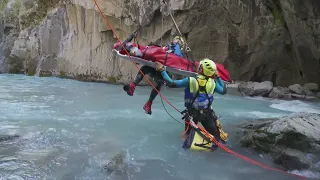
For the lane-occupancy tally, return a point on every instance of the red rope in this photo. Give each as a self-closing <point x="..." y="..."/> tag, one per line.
<point x="202" y="129"/>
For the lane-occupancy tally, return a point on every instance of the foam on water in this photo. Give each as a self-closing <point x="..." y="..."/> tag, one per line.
<point x="295" y="106"/>
<point x="258" y="114"/>
<point x="307" y="173"/>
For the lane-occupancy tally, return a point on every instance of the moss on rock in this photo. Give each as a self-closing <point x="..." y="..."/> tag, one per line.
<point x="33" y="16"/>
<point x="45" y="74"/>
<point x="3" y="5"/>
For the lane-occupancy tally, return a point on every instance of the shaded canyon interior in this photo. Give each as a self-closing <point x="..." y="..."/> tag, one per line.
<point x="256" y="40"/>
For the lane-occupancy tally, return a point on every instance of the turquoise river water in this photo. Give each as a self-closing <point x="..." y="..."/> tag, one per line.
<point x="70" y="130"/>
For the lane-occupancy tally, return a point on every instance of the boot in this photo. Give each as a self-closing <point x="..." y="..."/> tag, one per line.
<point x="129" y="88"/>
<point x="147" y="107"/>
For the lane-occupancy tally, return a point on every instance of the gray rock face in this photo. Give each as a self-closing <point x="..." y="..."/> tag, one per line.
<point x="261" y="40"/>
<point x="255" y="88"/>
<point x="289" y="140"/>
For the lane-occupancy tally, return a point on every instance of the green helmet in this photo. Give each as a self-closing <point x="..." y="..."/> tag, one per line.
<point x="209" y="68"/>
<point x="182" y="44"/>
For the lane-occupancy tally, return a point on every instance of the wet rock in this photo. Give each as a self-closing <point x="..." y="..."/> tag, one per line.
<point x="280" y="93"/>
<point x="303" y="97"/>
<point x="255" y="88"/>
<point x="297" y="89"/>
<point x="288" y="139"/>
<point x="8" y="137"/>
<point x="309" y="93"/>
<point x="292" y="159"/>
<point x="311" y="87"/>
<point x="117" y="163"/>
<point x="4" y="68"/>
<point x="234" y="85"/>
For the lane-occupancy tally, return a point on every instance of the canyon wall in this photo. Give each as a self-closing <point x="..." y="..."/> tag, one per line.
<point x="256" y="40"/>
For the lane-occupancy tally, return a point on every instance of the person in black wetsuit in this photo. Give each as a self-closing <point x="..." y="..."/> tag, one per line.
<point x="175" y="47"/>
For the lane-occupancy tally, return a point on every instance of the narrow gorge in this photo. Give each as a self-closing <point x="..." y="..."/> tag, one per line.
<point x="256" y="40"/>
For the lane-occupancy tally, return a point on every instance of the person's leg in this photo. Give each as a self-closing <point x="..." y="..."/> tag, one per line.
<point x="125" y="42"/>
<point x="154" y="93"/>
<point x="129" y="88"/>
<point x="209" y="123"/>
<point x="195" y="119"/>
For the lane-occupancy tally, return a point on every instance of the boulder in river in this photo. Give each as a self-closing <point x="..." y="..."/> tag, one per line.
<point x="311" y="87"/>
<point x="296" y="88"/>
<point x="255" y="88"/>
<point x="280" y="93"/>
<point x="117" y="163"/>
<point x="8" y="137"/>
<point x="292" y="141"/>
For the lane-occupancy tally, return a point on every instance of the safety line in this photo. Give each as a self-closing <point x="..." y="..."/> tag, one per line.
<point x="114" y="33"/>
<point x="202" y="129"/>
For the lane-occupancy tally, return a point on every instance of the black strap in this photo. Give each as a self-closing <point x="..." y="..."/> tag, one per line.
<point x="193" y="63"/>
<point x="144" y="53"/>
<point x="209" y="105"/>
<point x="194" y="98"/>
<point x="202" y="135"/>
<point x="202" y="145"/>
<point x="152" y="44"/>
<point x="165" y="61"/>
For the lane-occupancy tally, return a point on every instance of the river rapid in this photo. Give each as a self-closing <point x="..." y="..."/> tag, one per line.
<point x="70" y="130"/>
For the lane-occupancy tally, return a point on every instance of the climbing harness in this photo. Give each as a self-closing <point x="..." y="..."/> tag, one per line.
<point x="199" y="127"/>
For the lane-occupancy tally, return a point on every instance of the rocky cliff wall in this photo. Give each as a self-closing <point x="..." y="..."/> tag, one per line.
<point x="256" y="40"/>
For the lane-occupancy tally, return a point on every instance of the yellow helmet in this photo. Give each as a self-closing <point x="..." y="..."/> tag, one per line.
<point x="181" y="41"/>
<point x="209" y="68"/>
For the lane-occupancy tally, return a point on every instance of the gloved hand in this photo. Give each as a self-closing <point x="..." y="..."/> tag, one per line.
<point x="169" y="51"/>
<point x="216" y="75"/>
<point x="159" y="67"/>
<point x="135" y="34"/>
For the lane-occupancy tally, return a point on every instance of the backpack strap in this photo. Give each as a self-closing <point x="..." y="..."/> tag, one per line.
<point x="202" y="88"/>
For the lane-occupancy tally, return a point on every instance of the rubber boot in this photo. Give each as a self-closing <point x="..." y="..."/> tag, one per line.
<point x="129" y="88"/>
<point x="147" y="107"/>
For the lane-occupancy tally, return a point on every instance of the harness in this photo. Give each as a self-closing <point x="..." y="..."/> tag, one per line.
<point x="202" y="88"/>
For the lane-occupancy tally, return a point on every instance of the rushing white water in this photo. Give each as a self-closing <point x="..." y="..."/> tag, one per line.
<point x="70" y="130"/>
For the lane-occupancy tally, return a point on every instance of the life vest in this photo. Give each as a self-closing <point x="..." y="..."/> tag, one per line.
<point x="199" y="94"/>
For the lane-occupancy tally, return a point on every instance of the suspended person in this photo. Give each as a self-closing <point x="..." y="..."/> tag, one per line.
<point x="174" y="47"/>
<point x="199" y="92"/>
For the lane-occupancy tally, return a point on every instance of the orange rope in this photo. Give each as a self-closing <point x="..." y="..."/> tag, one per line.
<point x="184" y="138"/>
<point x="202" y="129"/>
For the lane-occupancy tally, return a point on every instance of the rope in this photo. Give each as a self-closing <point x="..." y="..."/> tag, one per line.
<point x="177" y="27"/>
<point x="188" y="49"/>
<point x="114" y="33"/>
<point x="169" y="113"/>
<point x="202" y="129"/>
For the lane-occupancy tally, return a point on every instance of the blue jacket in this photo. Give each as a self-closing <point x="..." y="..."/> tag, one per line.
<point x="176" y="49"/>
